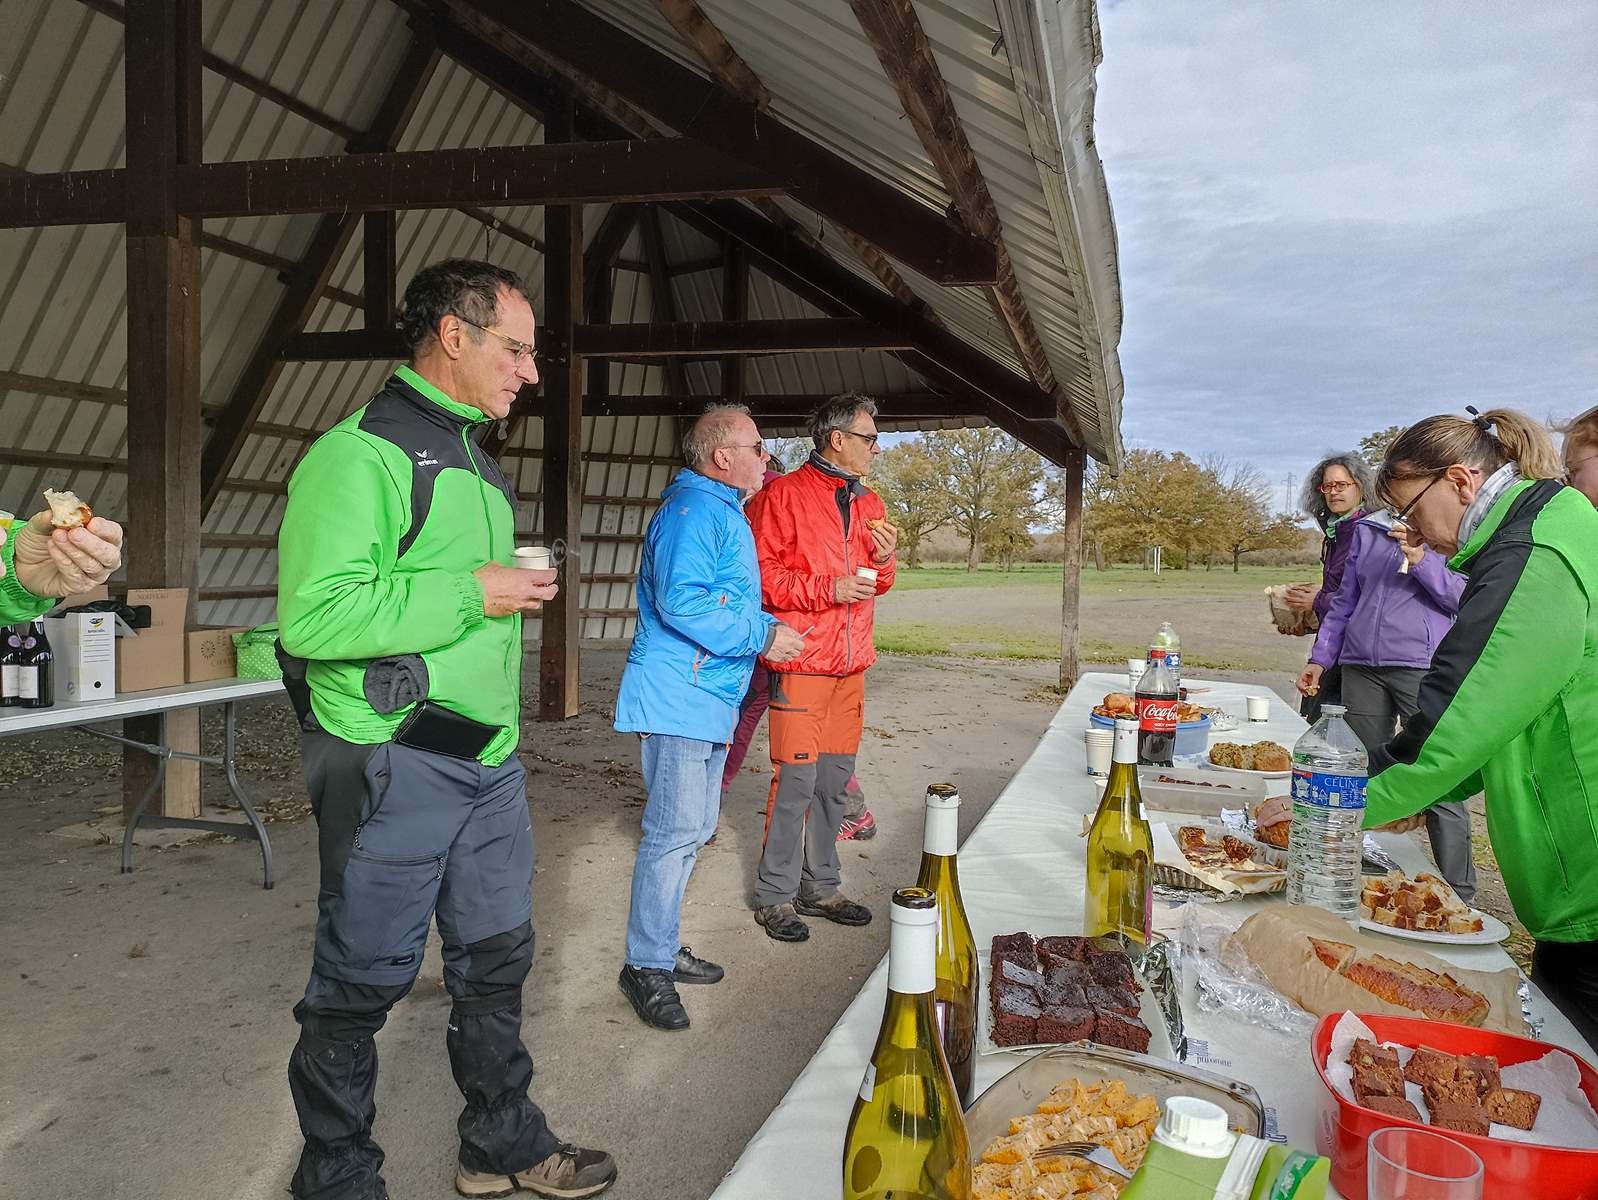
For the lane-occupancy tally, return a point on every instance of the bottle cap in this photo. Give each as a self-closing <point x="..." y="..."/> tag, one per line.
<point x="1195" y="1127"/>
<point x="914" y="906"/>
<point x="943" y="795"/>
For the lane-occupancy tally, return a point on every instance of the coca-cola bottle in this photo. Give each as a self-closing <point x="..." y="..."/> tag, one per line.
<point x="1157" y="704"/>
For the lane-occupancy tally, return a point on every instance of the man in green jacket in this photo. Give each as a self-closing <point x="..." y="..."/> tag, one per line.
<point x="1510" y="704"/>
<point x="39" y="564"/>
<point x="401" y="624"/>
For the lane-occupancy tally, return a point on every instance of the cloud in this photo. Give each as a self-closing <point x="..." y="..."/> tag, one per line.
<point x="1333" y="218"/>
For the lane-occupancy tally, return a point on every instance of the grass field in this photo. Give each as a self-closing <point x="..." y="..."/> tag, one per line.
<point x="1221" y="616"/>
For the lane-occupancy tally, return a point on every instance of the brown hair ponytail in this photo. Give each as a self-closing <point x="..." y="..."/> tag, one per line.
<point x="1486" y="442"/>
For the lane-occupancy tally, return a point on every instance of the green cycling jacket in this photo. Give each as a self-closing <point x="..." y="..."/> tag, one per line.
<point x="389" y="514"/>
<point x="17" y="603"/>
<point x="1510" y="707"/>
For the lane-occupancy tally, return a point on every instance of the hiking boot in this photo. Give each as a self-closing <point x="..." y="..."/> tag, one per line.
<point x="711" y="840"/>
<point x="860" y="829"/>
<point x="689" y="969"/>
<point x="835" y="908"/>
<point x="653" y="996"/>
<point x="570" y="1172"/>
<point x="782" y="923"/>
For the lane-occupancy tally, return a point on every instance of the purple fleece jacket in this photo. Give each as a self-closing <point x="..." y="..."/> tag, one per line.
<point x="1334" y="555"/>
<point x="1380" y="618"/>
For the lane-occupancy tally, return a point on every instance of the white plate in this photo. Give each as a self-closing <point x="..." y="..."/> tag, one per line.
<point x="1209" y="766"/>
<point x="1492" y="931"/>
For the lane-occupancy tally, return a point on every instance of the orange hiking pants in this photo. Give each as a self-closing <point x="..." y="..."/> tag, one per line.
<point x="815" y="733"/>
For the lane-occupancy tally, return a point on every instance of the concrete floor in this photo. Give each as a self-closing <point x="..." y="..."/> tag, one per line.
<point x="147" y="1017"/>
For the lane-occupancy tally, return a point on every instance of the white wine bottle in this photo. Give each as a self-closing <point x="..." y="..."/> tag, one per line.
<point x="955" y="997"/>
<point x="1120" y="867"/>
<point x="906" y="1138"/>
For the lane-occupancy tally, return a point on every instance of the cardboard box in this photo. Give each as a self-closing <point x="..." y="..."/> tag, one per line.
<point x="85" y="648"/>
<point x="154" y="658"/>
<point x="210" y="653"/>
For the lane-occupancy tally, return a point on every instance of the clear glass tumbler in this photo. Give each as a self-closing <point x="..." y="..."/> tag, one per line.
<point x="1414" y="1164"/>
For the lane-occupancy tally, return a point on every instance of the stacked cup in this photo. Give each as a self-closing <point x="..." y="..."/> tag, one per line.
<point x="1100" y="744"/>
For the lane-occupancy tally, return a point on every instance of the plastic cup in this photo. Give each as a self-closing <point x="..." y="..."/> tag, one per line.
<point x="869" y="574"/>
<point x="1415" y="1164"/>
<point x="1100" y="744"/>
<point x="533" y="558"/>
<point x="1134" y="670"/>
<point x="1259" y="708"/>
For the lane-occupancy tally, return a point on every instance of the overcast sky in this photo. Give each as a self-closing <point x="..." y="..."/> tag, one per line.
<point x="1336" y="217"/>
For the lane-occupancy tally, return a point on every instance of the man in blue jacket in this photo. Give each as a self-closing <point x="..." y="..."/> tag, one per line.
<point x="700" y="626"/>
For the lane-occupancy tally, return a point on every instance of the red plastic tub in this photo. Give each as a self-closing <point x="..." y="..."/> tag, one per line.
<point x="1514" y="1170"/>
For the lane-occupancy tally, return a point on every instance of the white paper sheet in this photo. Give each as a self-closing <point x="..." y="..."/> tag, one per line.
<point x="1565" y="1118"/>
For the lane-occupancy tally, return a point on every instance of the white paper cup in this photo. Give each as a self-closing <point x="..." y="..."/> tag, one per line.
<point x="1259" y="708"/>
<point x="1134" y="671"/>
<point x="533" y="558"/>
<point x="1100" y="745"/>
<point x="869" y="574"/>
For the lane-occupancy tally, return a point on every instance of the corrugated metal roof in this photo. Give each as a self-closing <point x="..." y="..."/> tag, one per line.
<point x="62" y="290"/>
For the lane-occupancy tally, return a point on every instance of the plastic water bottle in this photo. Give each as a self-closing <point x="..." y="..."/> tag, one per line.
<point x="1329" y="772"/>
<point x="1165" y="639"/>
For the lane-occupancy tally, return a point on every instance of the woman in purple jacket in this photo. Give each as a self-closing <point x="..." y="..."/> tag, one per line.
<point x="1381" y="628"/>
<point x="1334" y="498"/>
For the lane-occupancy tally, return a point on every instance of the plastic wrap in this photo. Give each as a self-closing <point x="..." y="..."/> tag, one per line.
<point x="1226" y="981"/>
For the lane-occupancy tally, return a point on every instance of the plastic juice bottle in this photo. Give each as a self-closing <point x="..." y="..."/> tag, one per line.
<point x="1195" y="1156"/>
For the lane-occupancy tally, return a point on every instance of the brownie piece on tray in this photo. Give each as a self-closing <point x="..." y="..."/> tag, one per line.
<point x="1015" y="1017"/>
<point x="1481" y="1070"/>
<point x="1449" y="1091"/>
<point x="1021" y="943"/>
<point x="1428" y="1065"/>
<point x="1061" y="949"/>
<point x="1392" y="1106"/>
<point x="1064" y="995"/>
<point x="1067" y="972"/>
<point x="1461" y="1118"/>
<point x="1377" y="1081"/>
<point x="1128" y="1033"/>
<point x="1065" y="1023"/>
<point x="1368" y="1054"/>
<point x="1507" y="1106"/>
<point x="1011" y="972"/>
<point x="1117" y="1000"/>
<point x="1114" y="971"/>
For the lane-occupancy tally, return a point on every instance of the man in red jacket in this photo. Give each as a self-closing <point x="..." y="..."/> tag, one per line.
<point x="826" y="552"/>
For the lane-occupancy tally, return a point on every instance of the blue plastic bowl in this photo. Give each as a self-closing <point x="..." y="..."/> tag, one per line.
<point x="1192" y="737"/>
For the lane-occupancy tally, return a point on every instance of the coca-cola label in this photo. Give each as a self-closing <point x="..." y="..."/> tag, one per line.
<point x="1157" y="714"/>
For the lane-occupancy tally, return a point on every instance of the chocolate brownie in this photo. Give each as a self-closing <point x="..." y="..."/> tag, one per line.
<point x="1098" y="949"/>
<point x="1458" y="1090"/>
<point x="1065" y="1023"/>
<point x="1507" y="1106"/>
<point x="1116" y="1000"/>
<point x="1064" y="994"/>
<point x="1377" y="1081"/>
<point x="1021" y="943"/>
<point x="1427" y="1064"/>
<point x="1014" y="973"/>
<point x="1068" y="972"/>
<point x="1481" y="1070"/>
<point x="1461" y="1118"/>
<point x="1062" y="949"/>
<point x="1113" y="1029"/>
<point x="1114" y="971"/>
<point x="1015" y="1017"/>
<point x="1368" y="1054"/>
<point x="1392" y="1106"/>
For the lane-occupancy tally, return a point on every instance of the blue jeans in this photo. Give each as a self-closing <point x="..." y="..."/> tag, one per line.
<point x="683" y="777"/>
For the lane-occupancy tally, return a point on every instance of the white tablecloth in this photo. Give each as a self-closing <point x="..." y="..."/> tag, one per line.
<point x="1023" y="868"/>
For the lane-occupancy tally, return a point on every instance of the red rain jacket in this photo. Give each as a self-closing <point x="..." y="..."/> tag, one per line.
<point x="804" y="544"/>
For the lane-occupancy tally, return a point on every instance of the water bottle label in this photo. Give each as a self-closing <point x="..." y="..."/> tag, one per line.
<point x="1328" y="789"/>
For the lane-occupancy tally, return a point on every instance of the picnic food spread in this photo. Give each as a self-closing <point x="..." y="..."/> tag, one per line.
<point x="1425" y="903"/>
<point x="1261" y="756"/>
<point x="1462" y="1092"/>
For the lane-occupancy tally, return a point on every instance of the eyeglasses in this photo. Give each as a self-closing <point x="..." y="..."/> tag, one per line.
<point x="864" y="437"/>
<point x="1326" y="489"/>
<point x="1404" y="512"/>
<point x="758" y="447"/>
<point x="1571" y="466"/>
<point x="520" y="349"/>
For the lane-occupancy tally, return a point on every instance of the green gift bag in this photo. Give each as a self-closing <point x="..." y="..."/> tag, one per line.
<point x="257" y="654"/>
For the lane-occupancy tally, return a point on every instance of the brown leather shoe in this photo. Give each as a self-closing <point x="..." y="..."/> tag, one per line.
<point x="570" y="1173"/>
<point x="834" y="908"/>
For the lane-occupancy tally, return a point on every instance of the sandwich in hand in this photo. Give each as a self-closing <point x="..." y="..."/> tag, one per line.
<point x="66" y="510"/>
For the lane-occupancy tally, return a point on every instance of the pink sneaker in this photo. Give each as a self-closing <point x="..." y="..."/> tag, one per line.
<point x="859" y="829"/>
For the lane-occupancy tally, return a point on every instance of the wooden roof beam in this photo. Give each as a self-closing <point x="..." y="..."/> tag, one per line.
<point x="660" y="339"/>
<point x="725" y="63"/>
<point x="896" y="34"/>
<point x="588" y="47"/>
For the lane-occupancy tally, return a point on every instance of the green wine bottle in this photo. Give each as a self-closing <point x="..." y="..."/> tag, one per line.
<point x="1120" y="854"/>
<point x="955" y="998"/>
<point x="906" y="1138"/>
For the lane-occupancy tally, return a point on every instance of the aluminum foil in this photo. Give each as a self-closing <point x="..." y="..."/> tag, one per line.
<point x="1226" y="981"/>
<point x="1534" y="1025"/>
<point x="1161" y="971"/>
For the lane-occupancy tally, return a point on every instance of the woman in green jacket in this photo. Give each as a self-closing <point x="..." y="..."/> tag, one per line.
<point x="1510" y="705"/>
<point x="39" y="564"/>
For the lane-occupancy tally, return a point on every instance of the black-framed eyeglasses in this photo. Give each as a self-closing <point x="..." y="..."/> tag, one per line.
<point x="864" y="437"/>
<point x="1403" y="513"/>
<point x="520" y="349"/>
<point x="758" y="447"/>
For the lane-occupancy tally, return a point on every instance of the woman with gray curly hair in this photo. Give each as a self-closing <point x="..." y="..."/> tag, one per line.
<point x="1334" y="498"/>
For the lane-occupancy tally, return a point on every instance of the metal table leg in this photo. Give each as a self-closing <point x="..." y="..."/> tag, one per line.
<point x="230" y="747"/>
